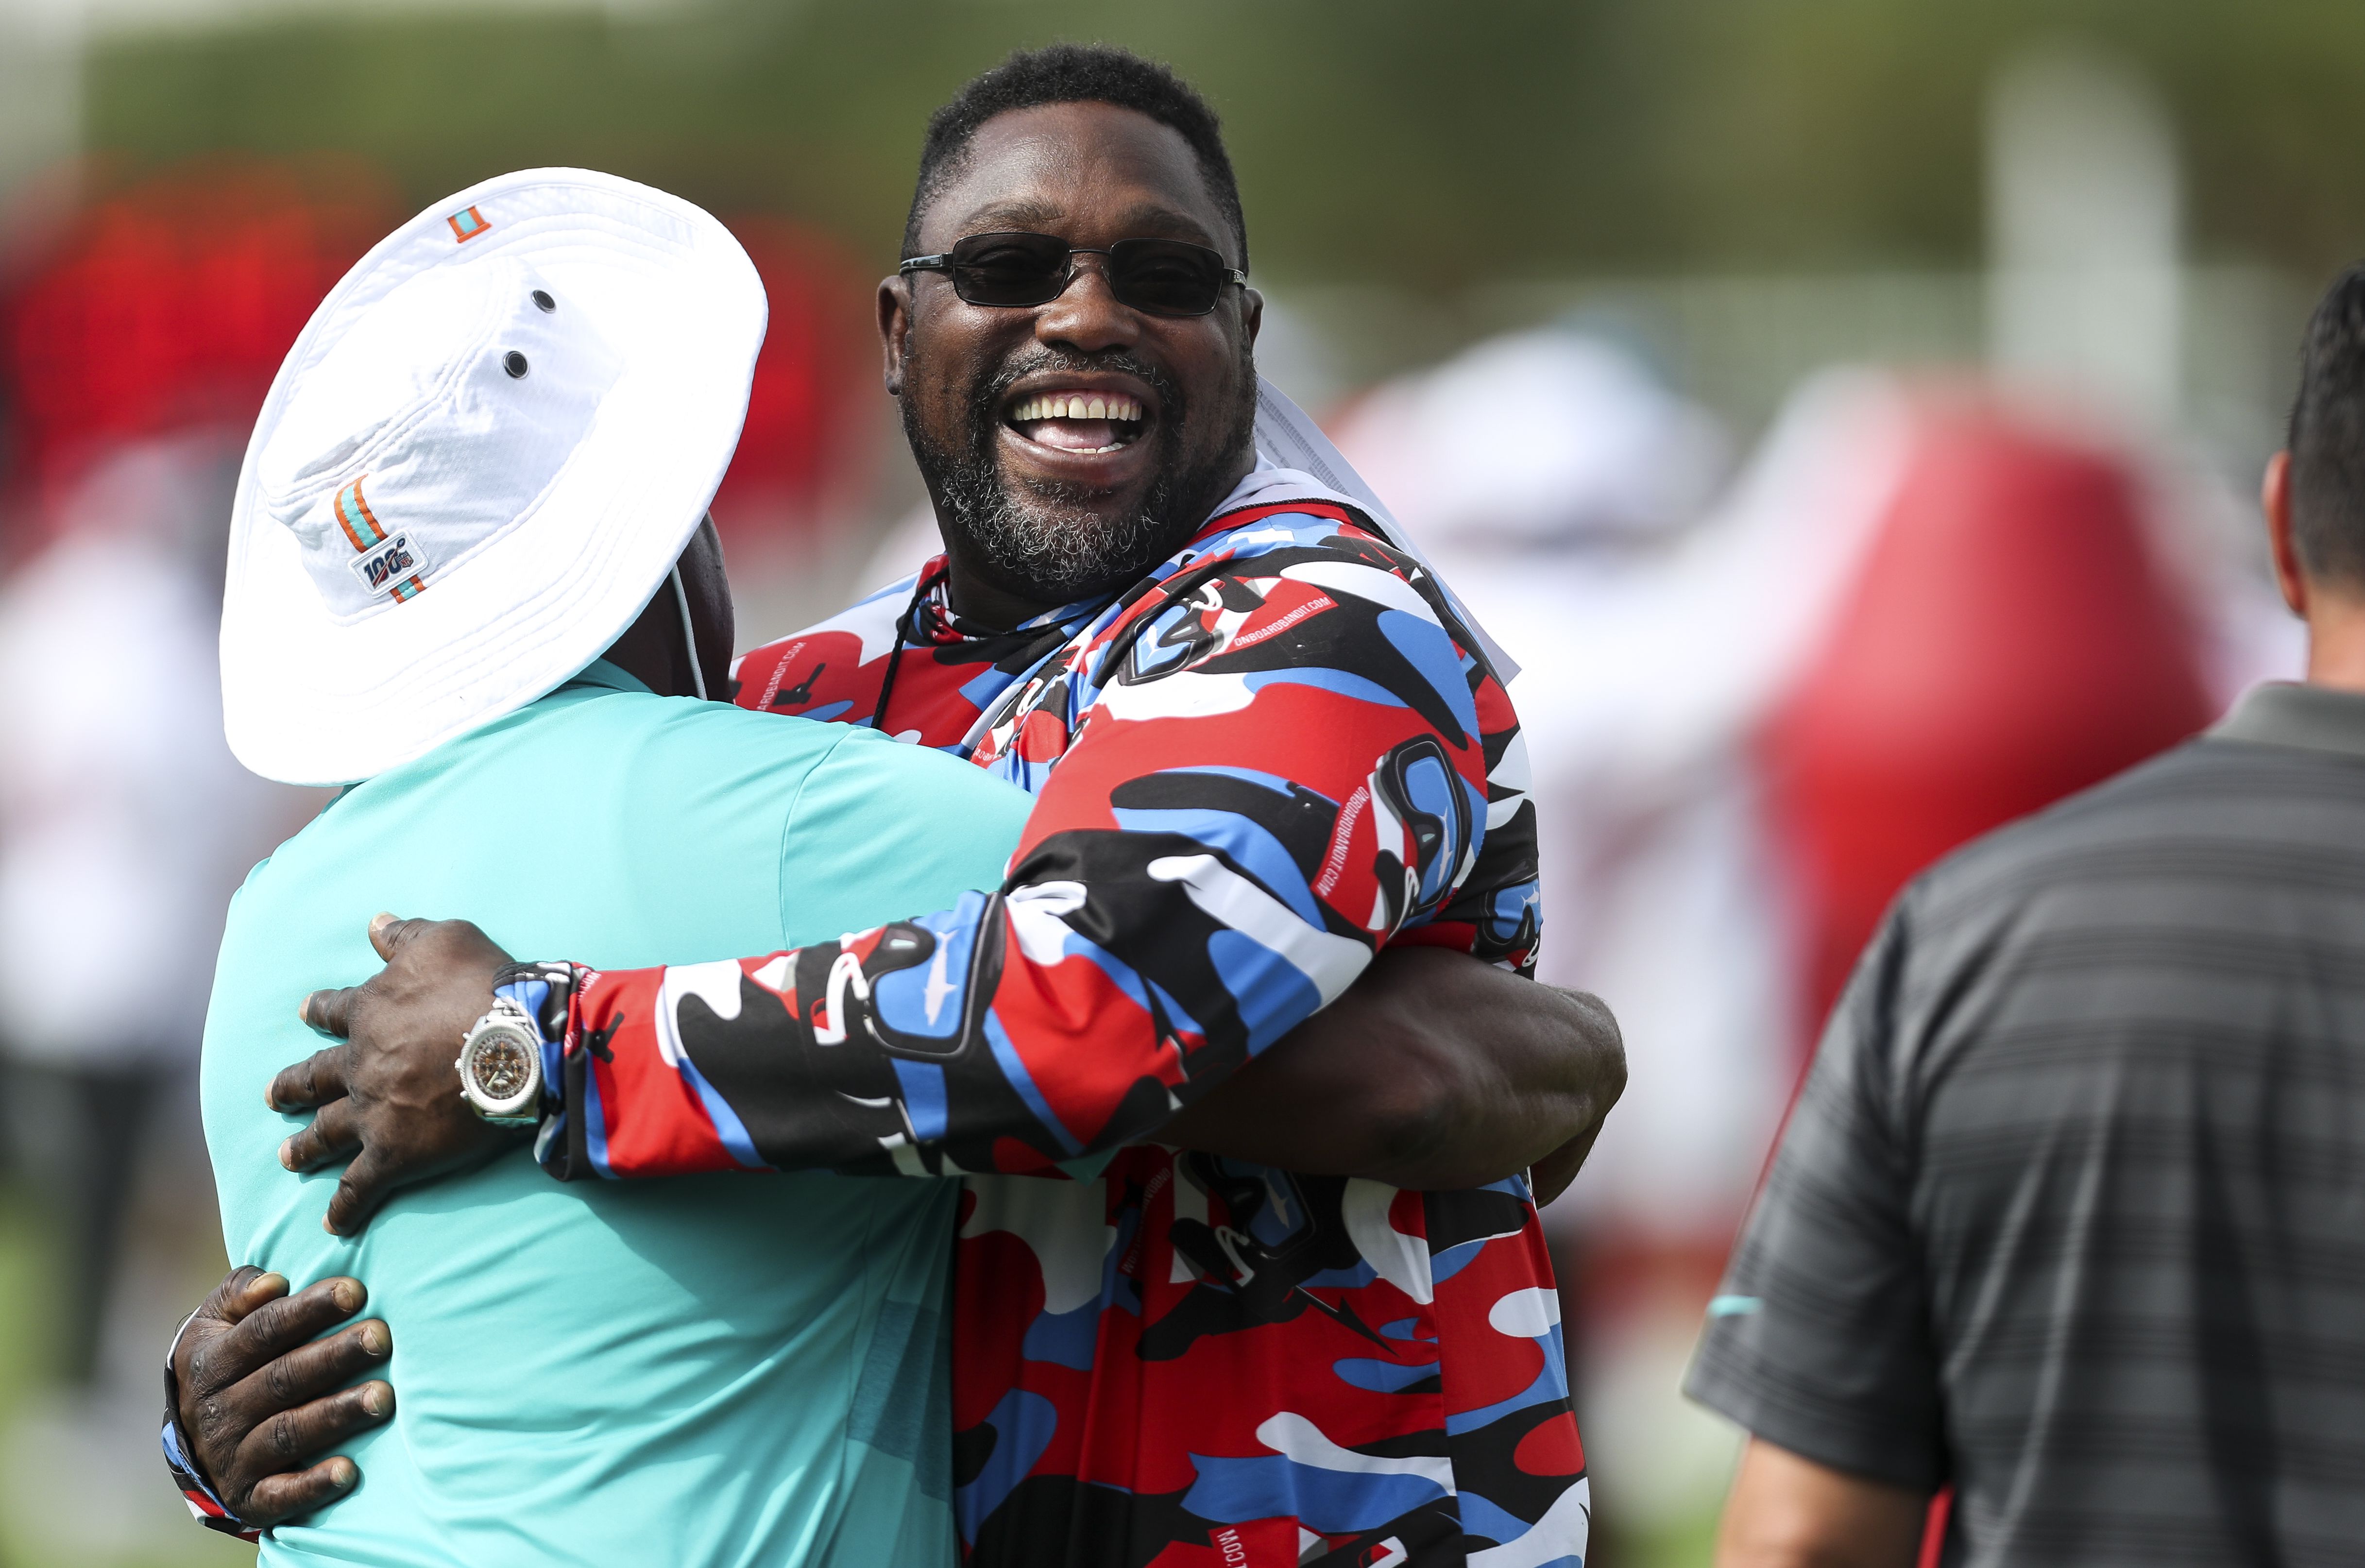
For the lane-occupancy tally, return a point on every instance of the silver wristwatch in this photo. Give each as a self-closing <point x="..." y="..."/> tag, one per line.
<point x="500" y="1067"/>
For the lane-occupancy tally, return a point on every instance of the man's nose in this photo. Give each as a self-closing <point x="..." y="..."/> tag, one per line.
<point x="1086" y="317"/>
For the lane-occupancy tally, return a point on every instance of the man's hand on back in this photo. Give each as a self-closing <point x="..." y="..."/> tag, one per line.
<point x="260" y="1393"/>
<point x="1434" y="1070"/>
<point x="1550" y="1176"/>
<point x="389" y="1097"/>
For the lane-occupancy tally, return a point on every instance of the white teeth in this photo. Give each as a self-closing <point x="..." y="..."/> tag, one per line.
<point x="1066" y="406"/>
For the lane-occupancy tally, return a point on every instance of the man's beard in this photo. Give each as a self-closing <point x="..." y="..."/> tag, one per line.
<point x="1050" y="547"/>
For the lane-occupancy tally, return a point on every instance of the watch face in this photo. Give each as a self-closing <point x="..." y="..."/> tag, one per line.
<point x="500" y="1066"/>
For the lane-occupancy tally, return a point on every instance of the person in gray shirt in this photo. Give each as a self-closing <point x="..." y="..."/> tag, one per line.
<point x="2070" y="1214"/>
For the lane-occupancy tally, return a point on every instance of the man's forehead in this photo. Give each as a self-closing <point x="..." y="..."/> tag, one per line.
<point x="1083" y="172"/>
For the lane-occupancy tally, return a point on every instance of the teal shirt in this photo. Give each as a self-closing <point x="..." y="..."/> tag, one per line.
<point x="715" y="1370"/>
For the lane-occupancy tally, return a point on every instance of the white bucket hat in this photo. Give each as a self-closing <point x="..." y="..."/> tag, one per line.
<point x="477" y="464"/>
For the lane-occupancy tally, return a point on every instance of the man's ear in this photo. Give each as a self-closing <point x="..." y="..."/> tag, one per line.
<point x="2274" y="501"/>
<point x="1252" y="312"/>
<point x="708" y="590"/>
<point x="894" y="329"/>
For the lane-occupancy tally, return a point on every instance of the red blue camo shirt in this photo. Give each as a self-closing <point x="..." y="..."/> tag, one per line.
<point x="1278" y="752"/>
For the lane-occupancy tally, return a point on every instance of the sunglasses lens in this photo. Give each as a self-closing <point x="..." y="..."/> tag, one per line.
<point x="1166" y="277"/>
<point x="1009" y="269"/>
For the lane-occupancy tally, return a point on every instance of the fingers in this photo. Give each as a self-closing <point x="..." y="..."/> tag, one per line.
<point x="334" y="1134"/>
<point x="318" y="1078"/>
<point x="277" y="1499"/>
<point x="271" y="1330"/>
<point x="243" y="1290"/>
<point x="322" y="1367"/>
<point x="330" y="1011"/>
<point x="275" y="1448"/>
<point x="1548" y="1178"/>
<point x="290" y="1437"/>
<point x="256" y="1289"/>
<point x="359" y="1192"/>
<point x="390" y="934"/>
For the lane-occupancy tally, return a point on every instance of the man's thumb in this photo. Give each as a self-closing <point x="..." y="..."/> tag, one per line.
<point x="244" y="1295"/>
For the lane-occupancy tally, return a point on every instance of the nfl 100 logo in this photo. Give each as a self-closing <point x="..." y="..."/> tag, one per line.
<point x="391" y="566"/>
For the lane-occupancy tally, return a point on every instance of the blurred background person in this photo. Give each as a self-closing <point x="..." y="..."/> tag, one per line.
<point x="136" y="334"/>
<point x="124" y="824"/>
<point x="2066" y="1217"/>
<point x="1921" y="611"/>
<point x="1929" y="603"/>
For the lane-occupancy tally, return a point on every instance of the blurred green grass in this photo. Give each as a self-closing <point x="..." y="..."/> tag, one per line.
<point x="27" y="1257"/>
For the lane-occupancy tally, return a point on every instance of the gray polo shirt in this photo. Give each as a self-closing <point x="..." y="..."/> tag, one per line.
<point x="2071" y="1209"/>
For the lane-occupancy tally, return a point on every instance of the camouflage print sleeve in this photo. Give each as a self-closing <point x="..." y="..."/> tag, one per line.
<point x="1269" y="767"/>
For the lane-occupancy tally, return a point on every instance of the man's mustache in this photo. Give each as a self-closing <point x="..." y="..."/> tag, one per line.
<point x="1115" y="361"/>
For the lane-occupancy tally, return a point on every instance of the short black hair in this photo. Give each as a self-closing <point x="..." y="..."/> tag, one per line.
<point x="2327" y="437"/>
<point x="1075" y="73"/>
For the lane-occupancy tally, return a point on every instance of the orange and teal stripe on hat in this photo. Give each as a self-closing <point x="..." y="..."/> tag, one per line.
<point x="361" y="526"/>
<point x="467" y="223"/>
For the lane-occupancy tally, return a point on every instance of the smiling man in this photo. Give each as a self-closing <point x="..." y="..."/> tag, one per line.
<point x="1263" y="747"/>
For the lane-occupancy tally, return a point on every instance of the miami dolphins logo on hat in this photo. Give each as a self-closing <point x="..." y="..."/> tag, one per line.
<point x="388" y="563"/>
<point x="467" y="223"/>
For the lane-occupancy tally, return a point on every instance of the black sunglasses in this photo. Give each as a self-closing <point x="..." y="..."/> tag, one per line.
<point x="1164" y="277"/>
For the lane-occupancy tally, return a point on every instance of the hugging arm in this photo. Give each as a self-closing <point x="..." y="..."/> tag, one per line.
<point x="1197" y="880"/>
<point x="1432" y="1071"/>
<point x="1279" y="767"/>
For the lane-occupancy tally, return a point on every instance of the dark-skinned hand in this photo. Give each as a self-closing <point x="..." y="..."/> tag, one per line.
<point x="1548" y="1178"/>
<point x="261" y="1393"/>
<point x="389" y="1099"/>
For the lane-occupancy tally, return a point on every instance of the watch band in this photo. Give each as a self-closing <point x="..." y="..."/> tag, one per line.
<point x="544" y="992"/>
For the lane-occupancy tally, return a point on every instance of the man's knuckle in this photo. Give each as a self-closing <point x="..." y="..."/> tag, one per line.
<point x="268" y="1325"/>
<point x="285" y="1439"/>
